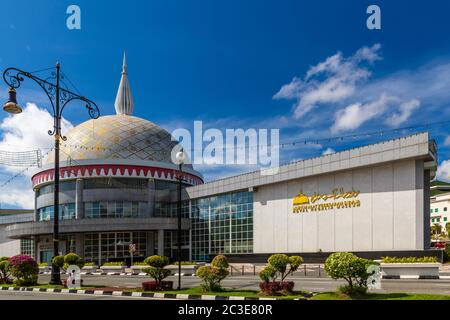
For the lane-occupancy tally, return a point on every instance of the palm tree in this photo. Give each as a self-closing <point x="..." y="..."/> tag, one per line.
<point x="436" y="230"/>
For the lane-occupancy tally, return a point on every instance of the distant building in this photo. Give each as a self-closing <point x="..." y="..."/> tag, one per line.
<point x="440" y="203"/>
<point x="11" y="247"/>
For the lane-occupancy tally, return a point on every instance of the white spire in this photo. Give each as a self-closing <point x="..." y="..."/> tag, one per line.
<point x="124" y="100"/>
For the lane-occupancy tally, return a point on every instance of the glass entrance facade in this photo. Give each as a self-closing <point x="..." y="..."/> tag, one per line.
<point x="113" y="246"/>
<point x="222" y="224"/>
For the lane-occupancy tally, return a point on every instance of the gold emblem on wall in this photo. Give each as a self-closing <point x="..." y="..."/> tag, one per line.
<point x="341" y="199"/>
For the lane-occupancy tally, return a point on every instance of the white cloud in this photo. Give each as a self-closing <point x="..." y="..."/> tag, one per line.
<point x="23" y="132"/>
<point x="447" y="141"/>
<point x="404" y="112"/>
<point x="330" y="81"/>
<point x="354" y="115"/>
<point x="443" y="171"/>
<point x="328" y="151"/>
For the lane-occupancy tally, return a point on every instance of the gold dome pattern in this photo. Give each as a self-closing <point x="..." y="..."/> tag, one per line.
<point x="116" y="137"/>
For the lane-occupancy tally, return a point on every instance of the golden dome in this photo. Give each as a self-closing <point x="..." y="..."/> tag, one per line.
<point x="301" y="199"/>
<point x="116" y="137"/>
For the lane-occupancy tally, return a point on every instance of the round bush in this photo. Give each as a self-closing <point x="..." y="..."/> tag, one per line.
<point x="279" y="262"/>
<point x="73" y="259"/>
<point x="347" y="266"/>
<point x="25" y="269"/>
<point x="268" y="273"/>
<point x="58" y="261"/>
<point x="220" y="261"/>
<point x="157" y="261"/>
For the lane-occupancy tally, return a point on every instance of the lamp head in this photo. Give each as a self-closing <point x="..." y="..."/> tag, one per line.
<point x="11" y="106"/>
<point x="180" y="156"/>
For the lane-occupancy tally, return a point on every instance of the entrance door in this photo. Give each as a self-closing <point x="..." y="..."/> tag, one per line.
<point x="46" y="256"/>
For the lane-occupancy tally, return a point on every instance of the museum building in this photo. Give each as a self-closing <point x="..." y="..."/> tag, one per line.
<point x="119" y="187"/>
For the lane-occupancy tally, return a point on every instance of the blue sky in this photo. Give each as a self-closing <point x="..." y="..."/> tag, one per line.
<point x="225" y="62"/>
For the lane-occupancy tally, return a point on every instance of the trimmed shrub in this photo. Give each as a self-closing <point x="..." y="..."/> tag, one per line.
<point x="284" y="265"/>
<point x="220" y="262"/>
<point x="73" y="259"/>
<point x="157" y="261"/>
<point x="447" y="252"/>
<point x="114" y="264"/>
<point x="89" y="264"/>
<point x="276" y="287"/>
<point x="212" y="275"/>
<point x="5" y="271"/>
<point x="409" y="260"/>
<point x="347" y="266"/>
<point x="155" y="286"/>
<point x="58" y="261"/>
<point x="156" y="271"/>
<point x="268" y="273"/>
<point x="25" y="270"/>
<point x="279" y="265"/>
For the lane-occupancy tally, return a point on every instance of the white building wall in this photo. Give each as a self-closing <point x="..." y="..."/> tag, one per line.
<point x="388" y="218"/>
<point x="8" y="247"/>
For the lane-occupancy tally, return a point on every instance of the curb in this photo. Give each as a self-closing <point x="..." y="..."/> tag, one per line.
<point x="416" y="277"/>
<point x="145" y="294"/>
<point x="122" y="274"/>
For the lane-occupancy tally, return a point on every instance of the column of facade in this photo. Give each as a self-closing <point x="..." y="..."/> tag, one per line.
<point x="35" y="218"/>
<point x="150" y="243"/>
<point x="151" y="197"/>
<point x="161" y="242"/>
<point x="79" y="205"/>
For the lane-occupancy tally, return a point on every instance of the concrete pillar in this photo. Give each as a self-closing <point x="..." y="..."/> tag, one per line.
<point x="150" y="244"/>
<point x="79" y="244"/>
<point x="79" y="205"/>
<point x="161" y="242"/>
<point x="151" y="197"/>
<point x="36" y="218"/>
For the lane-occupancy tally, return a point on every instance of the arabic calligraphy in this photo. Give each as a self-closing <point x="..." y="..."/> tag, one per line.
<point x="340" y="199"/>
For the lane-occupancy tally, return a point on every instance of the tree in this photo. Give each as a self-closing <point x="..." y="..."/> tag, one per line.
<point x="347" y="266"/>
<point x="447" y="228"/>
<point x="156" y="268"/>
<point x="436" y="231"/>
<point x="212" y="275"/>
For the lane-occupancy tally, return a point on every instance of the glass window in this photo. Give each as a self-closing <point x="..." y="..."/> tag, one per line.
<point x="445" y="218"/>
<point x="115" y="209"/>
<point x="100" y="247"/>
<point x="222" y="224"/>
<point x="445" y="208"/>
<point x="436" y="210"/>
<point x="66" y="212"/>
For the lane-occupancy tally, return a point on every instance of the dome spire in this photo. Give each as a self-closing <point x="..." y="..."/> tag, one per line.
<point x="124" y="100"/>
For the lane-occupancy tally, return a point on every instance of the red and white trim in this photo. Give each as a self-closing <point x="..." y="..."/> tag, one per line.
<point x="108" y="170"/>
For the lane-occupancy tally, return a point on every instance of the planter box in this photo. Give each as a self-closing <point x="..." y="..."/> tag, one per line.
<point x="422" y="270"/>
<point x="45" y="269"/>
<point x="113" y="269"/>
<point x="137" y="269"/>
<point x="187" y="269"/>
<point x="89" y="269"/>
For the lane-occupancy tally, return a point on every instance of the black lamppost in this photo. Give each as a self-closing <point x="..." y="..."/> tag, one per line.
<point x="59" y="97"/>
<point x="180" y="156"/>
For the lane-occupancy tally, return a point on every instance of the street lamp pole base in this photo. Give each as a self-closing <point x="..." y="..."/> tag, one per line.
<point x="55" y="278"/>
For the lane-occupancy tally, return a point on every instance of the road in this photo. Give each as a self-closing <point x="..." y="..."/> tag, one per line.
<point x="252" y="283"/>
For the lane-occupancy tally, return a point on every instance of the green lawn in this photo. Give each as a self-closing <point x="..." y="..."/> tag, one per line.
<point x="49" y="286"/>
<point x="381" y="296"/>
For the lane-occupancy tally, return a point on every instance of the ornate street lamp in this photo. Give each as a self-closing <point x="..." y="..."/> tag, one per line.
<point x="180" y="157"/>
<point x="59" y="97"/>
